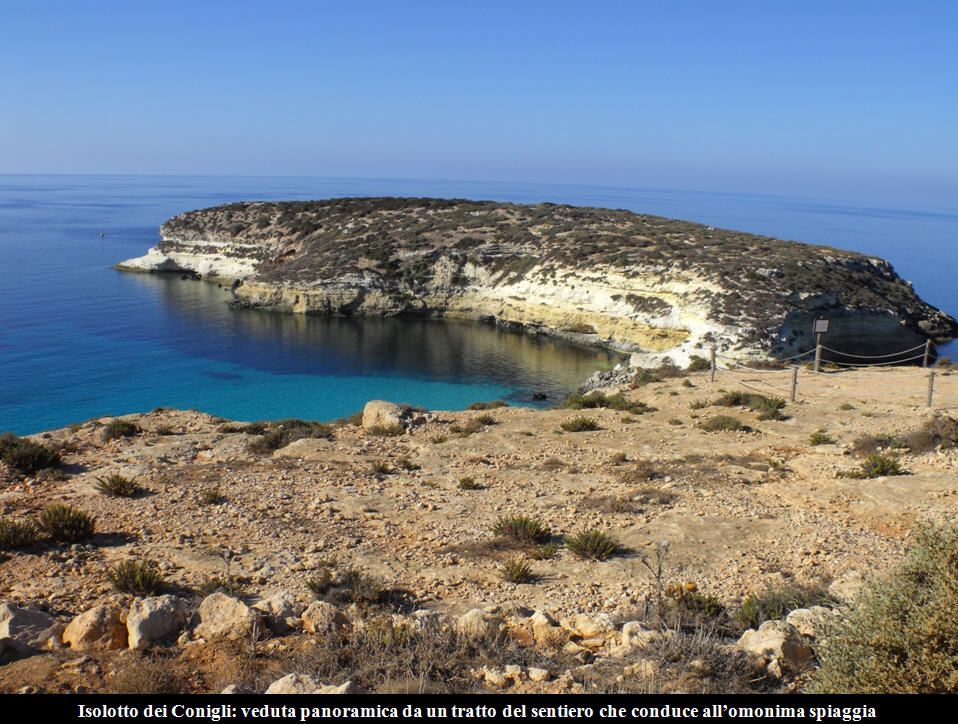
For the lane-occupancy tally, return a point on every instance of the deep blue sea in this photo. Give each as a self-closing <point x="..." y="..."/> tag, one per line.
<point x="79" y="339"/>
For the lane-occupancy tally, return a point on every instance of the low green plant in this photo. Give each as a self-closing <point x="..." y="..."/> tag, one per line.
<point x="580" y="424"/>
<point x="117" y="428"/>
<point x="25" y="455"/>
<point x="380" y="467"/>
<point x="117" y="485"/>
<point x="545" y="552"/>
<point x="845" y="406"/>
<point x="405" y="463"/>
<point x="517" y="570"/>
<point x="280" y="433"/>
<point x="643" y="378"/>
<point x="687" y="383"/>
<point x="486" y="418"/>
<point x="523" y="529"/>
<point x="777" y="603"/>
<point x="769" y="408"/>
<point x="211" y="496"/>
<point x="392" y="430"/>
<point x="137" y="577"/>
<point x="900" y="633"/>
<point x="467" y="429"/>
<point x="721" y="423"/>
<point x="699" y="404"/>
<point x="675" y="421"/>
<point x="487" y="405"/>
<point x="65" y="524"/>
<point x="876" y="465"/>
<point x="17" y="534"/>
<point x="467" y="483"/>
<point x="820" y="437"/>
<point x="698" y="364"/>
<point x="438" y="439"/>
<point x="595" y="400"/>
<point x="592" y="544"/>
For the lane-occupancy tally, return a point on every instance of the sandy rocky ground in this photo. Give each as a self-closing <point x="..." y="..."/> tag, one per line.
<point x="741" y="512"/>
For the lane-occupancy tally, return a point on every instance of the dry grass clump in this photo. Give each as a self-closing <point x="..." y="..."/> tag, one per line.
<point x="117" y="485"/>
<point x="147" y="676"/>
<point x="392" y="430"/>
<point x="939" y="432"/>
<point x="280" y="433"/>
<point x="820" y="437"/>
<point x="769" y="408"/>
<point x="595" y="544"/>
<point x="388" y="657"/>
<point x="580" y="424"/>
<point x="517" y="570"/>
<point x="118" y="428"/>
<point x="137" y="577"/>
<point x="522" y="529"/>
<point x="469" y="483"/>
<point x="25" y="455"/>
<point x="595" y="400"/>
<point x="901" y="634"/>
<point x="347" y="586"/>
<point x="487" y="405"/>
<point x="16" y="534"/>
<point x="65" y="524"/>
<point x="721" y="423"/>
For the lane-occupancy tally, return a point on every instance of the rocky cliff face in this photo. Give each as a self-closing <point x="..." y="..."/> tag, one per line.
<point x="627" y="281"/>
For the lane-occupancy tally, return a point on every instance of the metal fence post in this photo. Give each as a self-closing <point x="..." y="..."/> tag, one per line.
<point x="713" y="364"/>
<point x="931" y="386"/>
<point x="818" y="354"/>
<point x="794" y="383"/>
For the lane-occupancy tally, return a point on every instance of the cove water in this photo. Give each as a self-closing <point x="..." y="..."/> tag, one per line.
<point x="79" y="339"/>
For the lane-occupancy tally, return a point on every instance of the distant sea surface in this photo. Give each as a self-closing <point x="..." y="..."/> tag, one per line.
<point x="79" y="339"/>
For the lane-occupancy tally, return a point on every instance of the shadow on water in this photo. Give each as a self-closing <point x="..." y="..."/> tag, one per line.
<point x="294" y="344"/>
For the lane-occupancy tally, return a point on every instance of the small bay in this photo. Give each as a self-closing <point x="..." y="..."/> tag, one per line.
<point x="79" y="339"/>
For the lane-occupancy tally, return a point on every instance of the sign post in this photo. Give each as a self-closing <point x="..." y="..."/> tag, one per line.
<point x="820" y="327"/>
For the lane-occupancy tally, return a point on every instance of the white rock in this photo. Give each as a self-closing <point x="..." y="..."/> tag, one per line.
<point x="588" y="625"/>
<point x="478" y="624"/>
<point x="154" y="618"/>
<point x="379" y="413"/>
<point x="348" y="687"/>
<point x="25" y="631"/>
<point x="294" y="684"/>
<point x="809" y="621"/>
<point x="322" y="618"/>
<point x="539" y="674"/>
<point x="280" y="609"/>
<point x="222" y="615"/>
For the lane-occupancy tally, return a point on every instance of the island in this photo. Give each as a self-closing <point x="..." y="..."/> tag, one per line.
<point x="655" y="287"/>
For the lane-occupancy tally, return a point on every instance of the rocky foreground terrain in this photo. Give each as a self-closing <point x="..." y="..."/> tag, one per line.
<point x="374" y="554"/>
<point x="631" y="282"/>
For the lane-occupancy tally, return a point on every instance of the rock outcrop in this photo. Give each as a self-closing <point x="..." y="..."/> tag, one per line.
<point x="631" y="282"/>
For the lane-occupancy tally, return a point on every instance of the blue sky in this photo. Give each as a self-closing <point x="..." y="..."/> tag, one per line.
<point x="841" y="99"/>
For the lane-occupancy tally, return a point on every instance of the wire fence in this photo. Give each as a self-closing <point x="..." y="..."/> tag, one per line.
<point x="926" y="385"/>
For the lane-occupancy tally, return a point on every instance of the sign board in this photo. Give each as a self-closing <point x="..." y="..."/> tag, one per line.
<point x="821" y="326"/>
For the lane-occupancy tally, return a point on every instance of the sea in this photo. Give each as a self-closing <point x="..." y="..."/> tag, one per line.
<point x="79" y="339"/>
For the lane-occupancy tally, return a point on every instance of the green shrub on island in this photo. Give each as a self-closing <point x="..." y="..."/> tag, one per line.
<point x="721" y="423"/>
<point x="517" y="570"/>
<point x="487" y="405"/>
<point x="280" y="433"/>
<point x="595" y="400"/>
<point x="522" y="529"/>
<point x="25" y="455"/>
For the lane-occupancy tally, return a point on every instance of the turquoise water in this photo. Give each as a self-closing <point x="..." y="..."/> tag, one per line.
<point x="79" y="339"/>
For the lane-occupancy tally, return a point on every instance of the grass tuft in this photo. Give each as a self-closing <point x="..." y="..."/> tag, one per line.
<point x="137" y="577"/>
<point x="593" y="544"/>
<point x="117" y="485"/>
<point x="65" y="524"/>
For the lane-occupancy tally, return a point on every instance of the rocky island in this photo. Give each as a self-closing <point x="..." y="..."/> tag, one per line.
<point x="631" y="282"/>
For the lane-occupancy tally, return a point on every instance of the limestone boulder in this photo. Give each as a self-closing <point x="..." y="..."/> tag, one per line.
<point x="322" y="618"/>
<point x="379" y="413"/>
<point x="810" y="621"/>
<point x="25" y="631"/>
<point x="154" y="618"/>
<point x="280" y="611"/>
<point x="589" y="625"/>
<point x="478" y="624"/>
<point x="227" y="617"/>
<point x="347" y="687"/>
<point x="775" y="641"/>
<point x="294" y="684"/>
<point x="102" y="628"/>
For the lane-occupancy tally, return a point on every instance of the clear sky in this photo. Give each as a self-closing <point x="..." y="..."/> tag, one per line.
<point x="852" y="99"/>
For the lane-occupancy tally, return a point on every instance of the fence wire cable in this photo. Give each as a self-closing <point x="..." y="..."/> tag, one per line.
<point x="876" y="356"/>
<point x="876" y="364"/>
<point x="724" y="373"/>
